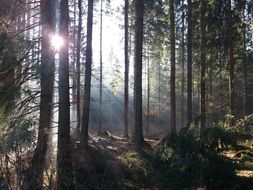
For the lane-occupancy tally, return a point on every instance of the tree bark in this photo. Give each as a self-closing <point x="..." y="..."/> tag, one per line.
<point x="203" y="67"/>
<point x="87" y="85"/>
<point x="148" y="86"/>
<point x="173" y="69"/>
<point x="64" y="166"/>
<point x="139" y="6"/>
<point x="101" y="67"/>
<point x="78" y="59"/>
<point x="189" y="63"/>
<point x="39" y="160"/>
<point x="126" y="93"/>
<point x="183" y="68"/>
<point x="230" y="58"/>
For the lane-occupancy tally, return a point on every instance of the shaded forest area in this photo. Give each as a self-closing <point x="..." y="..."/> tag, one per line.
<point x="126" y="94"/>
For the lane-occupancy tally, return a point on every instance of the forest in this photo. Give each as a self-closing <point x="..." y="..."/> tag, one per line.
<point x="126" y="94"/>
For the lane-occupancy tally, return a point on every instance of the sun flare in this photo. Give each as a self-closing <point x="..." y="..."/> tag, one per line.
<point x="57" y="41"/>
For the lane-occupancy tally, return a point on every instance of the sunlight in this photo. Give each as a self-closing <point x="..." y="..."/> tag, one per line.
<point x="57" y="41"/>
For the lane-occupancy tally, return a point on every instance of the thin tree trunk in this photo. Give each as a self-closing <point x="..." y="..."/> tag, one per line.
<point x="126" y="93"/>
<point x="173" y="69"/>
<point x="64" y="166"/>
<point x="159" y="95"/>
<point x="46" y="99"/>
<point x="189" y="63"/>
<point x="148" y="88"/>
<point x="139" y="6"/>
<point x="203" y="67"/>
<point x="245" y="69"/>
<point x="231" y="58"/>
<point x="183" y="69"/>
<point x="78" y="59"/>
<point x="210" y="99"/>
<point x="101" y="67"/>
<point x="87" y="85"/>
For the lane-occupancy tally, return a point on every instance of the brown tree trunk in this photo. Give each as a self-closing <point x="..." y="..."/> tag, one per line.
<point x="203" y="67"/>
<point x="64" y="166"/>
<point x="173" y="69"/>
<point x="78" y="57"/>
<point x="139" y="6"/>
<point x="183" y="68"/>
<point x="87" y="85"/>
<point x="148" y="86"/>
<point x="126" y="93"/>
<point x="189" y="63"/>
<point x="101" y="67"/>
<point x="39" y="161"/>
<point x="231" y="58"/>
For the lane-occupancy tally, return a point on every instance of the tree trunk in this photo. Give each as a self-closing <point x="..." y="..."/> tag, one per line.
<point x="189" y="63"/>
<point x="203" y="67"/>
<point x="148" y="87"/>
<point x="139" y="6"/>
<point x="230" y="58"/>
<point x="173" y="69"/>
<point x="101" y="67"/>
<point x="39" y="160"/>
<point x="126" y="94"/>
<point x="183" y="68"/>
<point x="64" y="166"/>
<point x="78" y="59"/>
<point x="87" y="85"/>
<point x="245" y="68"/>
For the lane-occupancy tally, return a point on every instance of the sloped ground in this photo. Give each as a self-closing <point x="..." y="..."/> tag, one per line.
<point x="112" y="164"/>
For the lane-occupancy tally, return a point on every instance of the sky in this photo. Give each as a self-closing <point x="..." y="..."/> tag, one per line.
<point x="113" y="34"/>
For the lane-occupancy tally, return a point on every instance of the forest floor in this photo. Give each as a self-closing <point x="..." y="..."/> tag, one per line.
<point x="112" y="164"/>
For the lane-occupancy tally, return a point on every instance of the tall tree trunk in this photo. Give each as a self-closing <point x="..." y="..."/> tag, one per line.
<point x="78" y="59"/>
<point x="101" y="67"/>
<point x="203" y="67"/>
<point x="64" y="166"/>
<point x="87" y="85"/>
<point x="210" y="88"/>
<point x="148" y="87"/>
<point x="245" y="68"/>
<point x="183" y="68"/>
<point x="139" y="6"/>
<point x="39" y="161"/>
<point x="230" y="58"/>
<point x="126" y="93"/>
<point x="159" y="95"/>
<point x="173" y="69"/>
<point x="189" y="63"/>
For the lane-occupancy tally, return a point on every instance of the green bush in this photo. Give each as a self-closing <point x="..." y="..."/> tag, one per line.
<point x="188" y="160"/>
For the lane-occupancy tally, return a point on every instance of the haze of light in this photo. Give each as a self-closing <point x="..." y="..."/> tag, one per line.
<point x="57" y="41"/>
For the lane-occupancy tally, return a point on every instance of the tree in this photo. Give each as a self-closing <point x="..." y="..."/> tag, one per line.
<point x="101" y="67"/>
<point x="173" y="68"/>
<point x="230" y="57"/>
<point x="46" y="98"/>
<point x="64" y="165"/>
<point x="126" y="94"/>
<point x="78" y="59"/>
<point x="189" y="63"/>
<point x="183" y="67"/>
<point x="87" y="85"/>
<point x="139" y="8"/>
<point x="203" y="66"/>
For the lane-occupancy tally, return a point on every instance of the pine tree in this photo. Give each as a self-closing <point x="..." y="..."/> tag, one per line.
<point x="64" y="165"/>
<point x="189" y="63"/>
<point x="173" y="69"/>
<point x="139" y="6"/>
<point x="87" y="85"/>
<point x="46" y="98"/>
